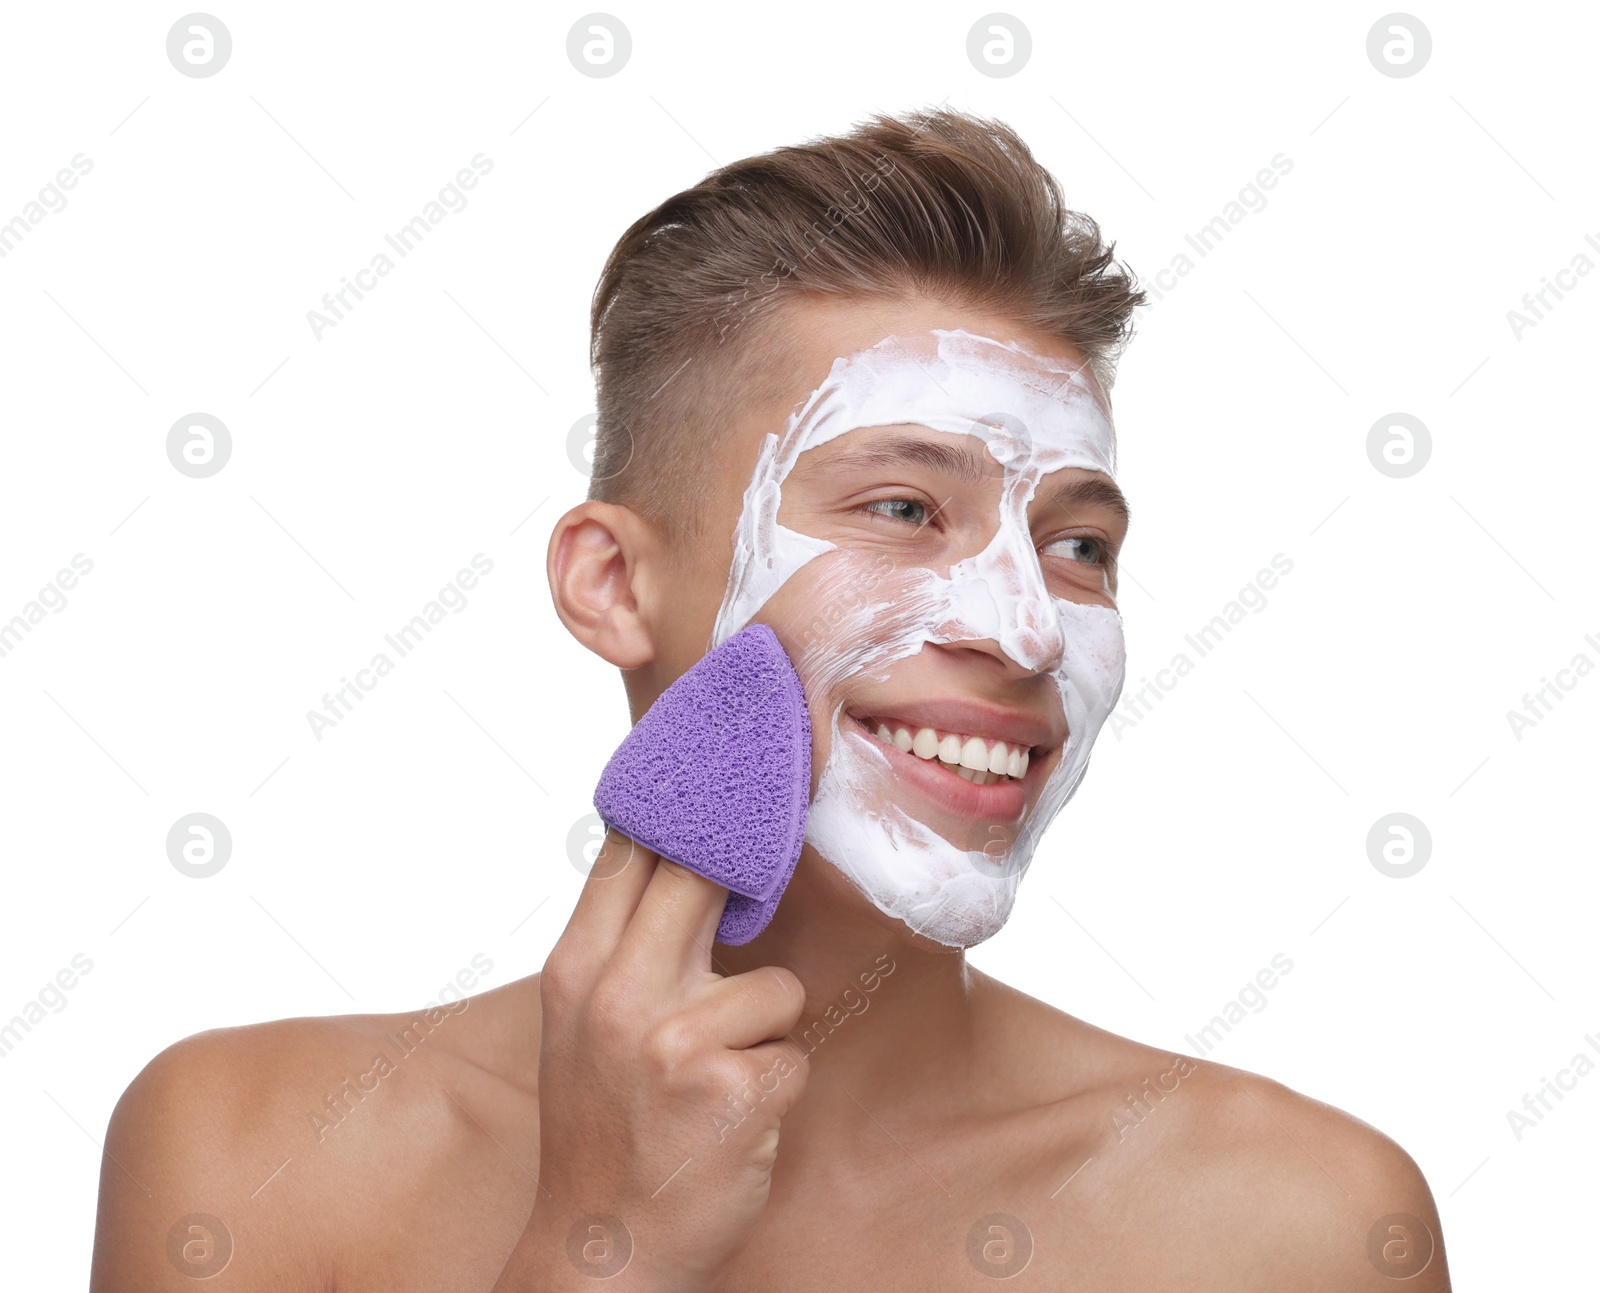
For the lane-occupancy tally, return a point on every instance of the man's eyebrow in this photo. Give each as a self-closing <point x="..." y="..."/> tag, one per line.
<point x="956" y="462"/>
<point x="909" y="451"/>
<point x="1087" y="491"/>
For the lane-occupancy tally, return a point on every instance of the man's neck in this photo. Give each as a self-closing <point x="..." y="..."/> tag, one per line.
<point x="889" y="1021"/>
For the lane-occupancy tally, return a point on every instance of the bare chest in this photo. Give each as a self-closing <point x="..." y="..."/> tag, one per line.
<point x="953" y="1213"/>
<point x="1037" y="1205"/>
<point x="955" y="1216"/>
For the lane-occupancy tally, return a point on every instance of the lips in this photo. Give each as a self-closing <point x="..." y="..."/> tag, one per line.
<point x="1003" y="799"/>
<point x="1011" y="723"/>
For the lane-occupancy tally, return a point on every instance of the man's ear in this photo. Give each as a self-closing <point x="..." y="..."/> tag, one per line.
<point x="603" y="563"/>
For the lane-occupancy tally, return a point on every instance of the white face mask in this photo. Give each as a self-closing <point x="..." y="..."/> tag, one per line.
<point x="1035" y="416"/>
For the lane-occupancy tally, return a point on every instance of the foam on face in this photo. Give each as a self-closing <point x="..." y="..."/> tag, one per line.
<point x="1035" y="415"/>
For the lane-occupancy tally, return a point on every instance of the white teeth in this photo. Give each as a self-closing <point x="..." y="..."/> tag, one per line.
<point x="973" y="758"/>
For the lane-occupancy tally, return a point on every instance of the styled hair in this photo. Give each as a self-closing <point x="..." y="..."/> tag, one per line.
<point x="930" y="203"/>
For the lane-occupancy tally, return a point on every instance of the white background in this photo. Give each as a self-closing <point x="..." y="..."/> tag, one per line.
<point x="430" y="424"/>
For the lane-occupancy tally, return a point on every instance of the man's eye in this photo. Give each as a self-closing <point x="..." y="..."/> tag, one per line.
<point x="1080" y="547"/>
<point x="908" y="510"/>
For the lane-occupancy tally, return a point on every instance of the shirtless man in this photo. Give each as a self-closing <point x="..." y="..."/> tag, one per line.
<point x="843" y="1102"/>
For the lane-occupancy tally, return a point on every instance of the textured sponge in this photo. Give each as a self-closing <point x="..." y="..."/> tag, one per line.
<point x="717" y="775"/>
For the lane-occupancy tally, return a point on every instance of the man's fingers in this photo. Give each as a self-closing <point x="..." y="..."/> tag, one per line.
<point x="761" y="1005"/>
<point x="621" y="872"/>
<point x="778" y="1072"/>
<point x="675" y="922"/>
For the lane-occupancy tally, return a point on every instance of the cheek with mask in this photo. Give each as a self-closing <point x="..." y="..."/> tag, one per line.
<point x="950" y="870"/>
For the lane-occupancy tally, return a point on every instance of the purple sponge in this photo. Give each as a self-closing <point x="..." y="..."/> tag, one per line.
<point x="717" y="775"/>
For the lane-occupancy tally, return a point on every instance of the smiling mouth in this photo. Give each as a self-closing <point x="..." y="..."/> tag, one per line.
<point x="978" y="759"/>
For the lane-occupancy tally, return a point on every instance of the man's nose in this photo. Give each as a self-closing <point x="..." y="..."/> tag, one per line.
<point x="1026" y="625"/>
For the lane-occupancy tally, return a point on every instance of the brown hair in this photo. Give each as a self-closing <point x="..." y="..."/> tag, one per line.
<point x="933" y="203"/>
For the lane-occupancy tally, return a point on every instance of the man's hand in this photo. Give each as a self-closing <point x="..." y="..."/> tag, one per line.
<point x="656" y="1144"/>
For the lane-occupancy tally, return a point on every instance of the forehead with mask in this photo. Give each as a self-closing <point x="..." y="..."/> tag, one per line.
<point x="1026" y="424"/>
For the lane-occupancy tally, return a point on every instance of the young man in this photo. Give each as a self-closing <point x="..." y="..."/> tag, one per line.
<point x="855" y="391"/>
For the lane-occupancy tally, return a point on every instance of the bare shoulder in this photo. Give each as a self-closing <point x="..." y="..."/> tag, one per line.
<point x="260" y="1148"/>
<point x="1315" y="1197"/>
<point x="1246" y="1183"/>
<point x="1239" y="1182"/>
<point x="193" y="1146"/>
